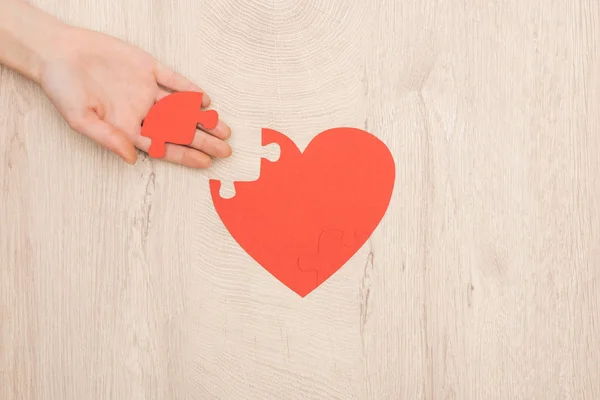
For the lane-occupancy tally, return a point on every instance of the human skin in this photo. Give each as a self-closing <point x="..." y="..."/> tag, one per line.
<point x="102" y="86"/>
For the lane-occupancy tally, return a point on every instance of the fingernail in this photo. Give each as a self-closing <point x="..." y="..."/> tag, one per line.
<point x="130" y="158"/>
<point x="226" y="150"/>
<point x="224" y="129"/>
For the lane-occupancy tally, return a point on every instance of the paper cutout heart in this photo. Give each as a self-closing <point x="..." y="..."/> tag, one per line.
<point x="309" y="213"/>
<point x="174" y="119"/>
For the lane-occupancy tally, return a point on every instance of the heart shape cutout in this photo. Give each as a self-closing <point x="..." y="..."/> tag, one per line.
<point x="309" y="212"/>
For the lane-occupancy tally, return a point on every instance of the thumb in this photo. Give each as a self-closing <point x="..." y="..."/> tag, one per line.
<point x="106" y="135"/>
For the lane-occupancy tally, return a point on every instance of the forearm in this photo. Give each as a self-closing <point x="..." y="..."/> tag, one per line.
<point x="26" y="35"/>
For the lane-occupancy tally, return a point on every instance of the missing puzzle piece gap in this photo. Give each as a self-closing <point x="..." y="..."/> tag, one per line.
<point x="271" y="152"/>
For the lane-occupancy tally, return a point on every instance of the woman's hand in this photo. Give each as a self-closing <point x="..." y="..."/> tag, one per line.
<point x="102" y="86"/>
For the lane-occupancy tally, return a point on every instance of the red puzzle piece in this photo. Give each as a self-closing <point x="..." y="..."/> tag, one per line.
<point x="174" y="119"/>
<point x="309" y="213"/>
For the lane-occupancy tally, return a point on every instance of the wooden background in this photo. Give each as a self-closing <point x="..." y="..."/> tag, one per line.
<point x="482" y="281"/>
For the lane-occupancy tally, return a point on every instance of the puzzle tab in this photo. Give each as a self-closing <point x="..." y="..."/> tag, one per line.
<point x="174" y="119"/>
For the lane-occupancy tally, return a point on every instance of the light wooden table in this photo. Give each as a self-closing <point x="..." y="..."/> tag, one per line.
<point x="482" y="281"/>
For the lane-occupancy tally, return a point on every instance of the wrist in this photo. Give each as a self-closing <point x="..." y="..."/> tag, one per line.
<point x="27" y="37"/>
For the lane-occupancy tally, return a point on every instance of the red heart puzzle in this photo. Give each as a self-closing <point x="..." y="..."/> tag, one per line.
<point x="310" y="212"/>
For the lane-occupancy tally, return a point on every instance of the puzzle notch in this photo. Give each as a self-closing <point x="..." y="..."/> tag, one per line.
<point x="270" y="153"/>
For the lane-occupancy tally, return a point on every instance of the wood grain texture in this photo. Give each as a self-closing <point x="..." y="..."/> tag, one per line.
<point x="482" y="281"/>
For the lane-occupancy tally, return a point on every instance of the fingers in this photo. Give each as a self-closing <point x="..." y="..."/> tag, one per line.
<point x="221" y="131"/>
<point x="106" y="135"/>
<point x="170" y="79"/>
<point x="211" y="145"/>
<point x="178" y="154"/>
<point x="187" y="156"/>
